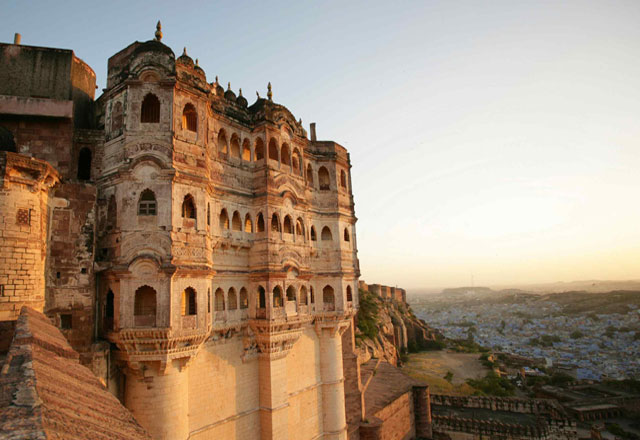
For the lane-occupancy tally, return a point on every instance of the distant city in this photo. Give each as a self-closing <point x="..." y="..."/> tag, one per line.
<point x="588" y="335"/>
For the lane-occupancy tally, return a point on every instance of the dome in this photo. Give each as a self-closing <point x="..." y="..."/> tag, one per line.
<point x="153" y="46"/>
<point x="185" y="59"/>
<point x="229" y="94"/>
<point x="241" y="101"/>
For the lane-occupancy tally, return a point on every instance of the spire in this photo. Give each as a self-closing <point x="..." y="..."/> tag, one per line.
<point x="159" y="31"/>
<point x="269" y="92"/>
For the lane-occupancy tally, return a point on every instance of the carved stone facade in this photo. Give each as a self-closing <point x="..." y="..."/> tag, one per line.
<point x="211" y="242"/>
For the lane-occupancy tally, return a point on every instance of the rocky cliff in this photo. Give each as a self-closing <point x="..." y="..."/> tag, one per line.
<point x="387" y="328"/>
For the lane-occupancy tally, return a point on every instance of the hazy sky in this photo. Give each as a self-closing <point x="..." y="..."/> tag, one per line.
<point x="493" y="138"/>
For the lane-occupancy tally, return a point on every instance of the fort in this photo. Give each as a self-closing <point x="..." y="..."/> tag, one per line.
<point x="197" y="252"/>
<point x="178" y="264"/>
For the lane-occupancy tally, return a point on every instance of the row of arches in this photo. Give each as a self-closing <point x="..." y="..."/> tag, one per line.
<point x="284" y="155"/>
<point x="145" y="301"/>
<point x="147" y="206"/>
<point x="150" y="114"/>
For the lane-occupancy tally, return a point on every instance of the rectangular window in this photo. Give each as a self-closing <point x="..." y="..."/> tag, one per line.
<point x="65" y="321"/>
<point x="147" y="208"/>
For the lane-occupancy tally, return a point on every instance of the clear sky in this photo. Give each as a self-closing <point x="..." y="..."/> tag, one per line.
<point x="499" y="139"/>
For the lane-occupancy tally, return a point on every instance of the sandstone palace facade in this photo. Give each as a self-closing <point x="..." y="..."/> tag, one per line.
<point x="198" y="252"/>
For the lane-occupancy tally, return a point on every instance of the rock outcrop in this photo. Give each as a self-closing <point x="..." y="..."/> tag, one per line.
<point x="387" y="328"/>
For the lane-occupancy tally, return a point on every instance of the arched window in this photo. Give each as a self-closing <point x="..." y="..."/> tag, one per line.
<point x="326" y="234"/>
<point x="296" y="162"/>
<point x="349" y="294"/>
<point x="147" y="203"/>
<point x="223" y="148"/>
<point x="312" y="298"/>
<point x="246" y="150"/>
<point x="313" y="234"/>
<point x="116" y="118"/>
<point x="260" y="223"/>
<point x="7" y="141"/>
<point x="232" y="299"/>
<point x="112" y="213"/>
<point x="150" y="111"/>
<point x="343" y="179"/>
<point x="235" y="146"/>
<point x="84" y="164"/>
<point x="189" y="302"/>
<point x="299" y="228"/>
<point x="277" y="297"/>
<point x="108" y="312"/>
<point x="273" y="150"/>
<point x="236" y="223"/>
<point x="218" y="304"/>
<point x="328" y="298"/>
<point x="323" y="179"/>
<point x="287" y="227"/>
<point x="248" y="224"/>
<point x="303" y="296"/>
<point x="224" y="219"/>
<point x="275" y="223"/>
<point x="189" y="118"/>
<point x="144" y="307"/>
<point x="309" y="175"/>
<point x="259" y="150"/>
<point x="291" y="293"/>
<point x="262" y="298"/>
<point x="347" y="238"/>
<point x="244" y="299"/>
<point x="188" y="207"/>
<point x="285" y="155"/>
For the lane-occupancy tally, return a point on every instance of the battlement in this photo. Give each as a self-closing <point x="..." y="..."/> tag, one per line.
<point x="385" y="292"/>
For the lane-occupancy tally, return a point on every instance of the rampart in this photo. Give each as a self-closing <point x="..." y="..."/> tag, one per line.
<point x="385" y="292"/>
<point x="539" y="418"/>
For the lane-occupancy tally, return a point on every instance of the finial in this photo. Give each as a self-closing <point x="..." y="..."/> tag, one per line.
<point x="197" y="62"/>
<point x="216" y="79"/>
<point x="229" y="86"/>
<point x="159" y="31"/>
<point x="240" y="92"/>
<point x="184" y="52"/>
<point x="257" y="94"/>
<point x="300" y="121"/>
<point x="269" y="92"/>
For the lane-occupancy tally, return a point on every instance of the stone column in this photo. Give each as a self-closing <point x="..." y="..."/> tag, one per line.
<point x="422" y="410"/>
<point x="274" y="402"/>
<point x="334" y="421"/>
<point x="159" y="400"/>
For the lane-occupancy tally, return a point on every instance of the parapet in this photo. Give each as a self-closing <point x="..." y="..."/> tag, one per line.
<point x="385" y="292"/>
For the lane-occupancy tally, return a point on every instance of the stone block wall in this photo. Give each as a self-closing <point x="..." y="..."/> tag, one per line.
<point x="69" y="276"/>
<point x="23" y="232"/>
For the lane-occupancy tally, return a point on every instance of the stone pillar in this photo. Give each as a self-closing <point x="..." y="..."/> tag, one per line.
<point x="159" y="400"/>
<point x="422" y="410"/>
<point x="334" y="421"/>
<point x="274" y="401"/>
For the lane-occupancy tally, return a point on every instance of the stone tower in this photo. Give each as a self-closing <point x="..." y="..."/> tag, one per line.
<point x="226" y="256"/>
